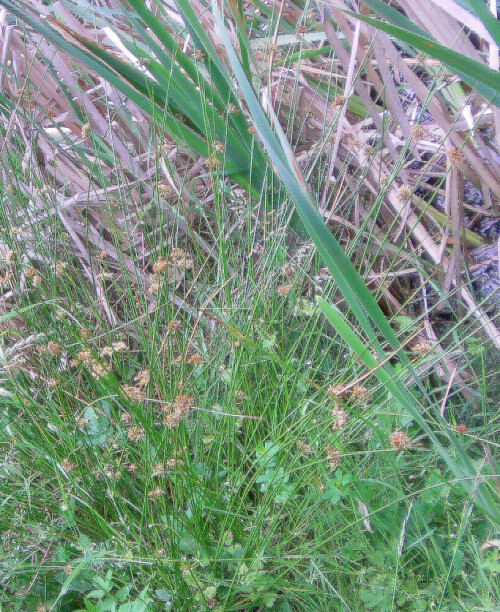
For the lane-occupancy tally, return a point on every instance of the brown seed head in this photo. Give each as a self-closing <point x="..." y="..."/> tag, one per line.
<point x="106" y="351"/>
<point x="154" y="288"/>
<point x="304" y="448"/>
<point x="82" y="422"/>
<point x="284" y="289"/>
<point x="336" y="391"/>
<point x="60" y="267"/>
<point x="85" y="333"/>
<point x="53" y="348"/>
<point x="399" y="440"/>
<point x="173" y="419"/>
<point x="358" y="393"/>
<point x="339" y="418"/>
<point x="160" y="265"/>
<point x="196" y="359"/>
<point x="214" y="160"/>
<point x="68" y="466"/>
<point x="157" y="469"/>
<point x="131" y="468"/>
<point x="126" y="418"/>
<point x="420" y="348"/>
<point x="165" y="190"/>
<point x="135" y="434"/>
<point x="142" y="378"/>
<point x="181" y="259"/>
<point x="183" y="403"/>
<point x="99" y="370"/>
<point x="156" y="493"/>
<point x="455" y="156"/>
<point x="119" y="347"/>
<point x="133" y="394"/>
<point x="417" y="132"/>
<point x="405" y="193"/>
<point x="338" y="101"/>
<point x="218" y="147"/>
<point x="173" y="463"/>
<point x="333" y="457"/>
<point x="173" y="326"/>
<point x="85" y="357"/>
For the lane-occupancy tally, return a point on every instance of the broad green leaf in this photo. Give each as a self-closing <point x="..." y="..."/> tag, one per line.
<point x="482" y="11"/>
<point x="475" y="74"/>
<point x="393" y="16"/>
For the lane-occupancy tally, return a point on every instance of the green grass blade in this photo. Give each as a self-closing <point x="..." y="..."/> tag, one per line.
<point x="21" y="311"/>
